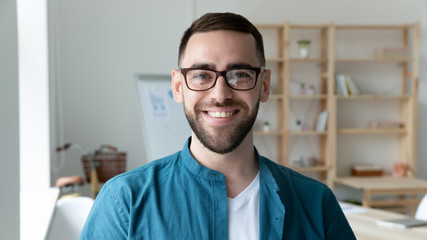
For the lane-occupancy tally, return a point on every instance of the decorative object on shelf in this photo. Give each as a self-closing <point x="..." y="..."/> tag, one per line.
<point x="304" y="48"/>
<point x="302" y="90"/>
<point x="304" y="126"/>
<point x="400" y="169"/>
<point x="306" y="91"/>
<point x="311" y="91"/>
<point x="305" y="162"/>
<point x="366" y="170"/>
<point x="266" y="127"/>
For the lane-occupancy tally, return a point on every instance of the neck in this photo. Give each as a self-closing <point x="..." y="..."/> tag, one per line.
<point x="239" y="167"/>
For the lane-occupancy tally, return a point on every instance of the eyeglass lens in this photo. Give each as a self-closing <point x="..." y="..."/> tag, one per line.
<point x="241" y="79"/>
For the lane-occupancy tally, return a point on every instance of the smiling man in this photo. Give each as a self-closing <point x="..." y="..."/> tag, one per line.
<point x="218" y="186"/>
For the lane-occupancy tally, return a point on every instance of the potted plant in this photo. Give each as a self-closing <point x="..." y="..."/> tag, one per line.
<point x="304" y="48"/>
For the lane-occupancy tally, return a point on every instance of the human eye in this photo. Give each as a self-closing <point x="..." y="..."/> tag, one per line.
<point x="243" y="74"/>
<point x="241" y="78"/>
<point x="201" y="75"/>
<point x="200" y="79"/>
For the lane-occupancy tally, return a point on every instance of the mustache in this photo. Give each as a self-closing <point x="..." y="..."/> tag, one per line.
<point x="226" y="103"/>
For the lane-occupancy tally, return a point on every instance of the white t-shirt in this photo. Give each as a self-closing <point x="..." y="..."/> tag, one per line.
<point x="243" y="213"/>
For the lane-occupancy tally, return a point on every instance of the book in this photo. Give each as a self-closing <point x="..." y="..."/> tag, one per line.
<point x="352" y="86"/>
<point x="321" y="121"/>
<point x="346" y="86"/>
<point x="341" y="84"/>
<point x="402" y="223"/>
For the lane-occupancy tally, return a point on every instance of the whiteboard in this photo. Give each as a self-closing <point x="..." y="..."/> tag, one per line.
<point x="163" y="123"/>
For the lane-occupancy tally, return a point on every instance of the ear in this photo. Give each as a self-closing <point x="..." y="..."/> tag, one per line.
<point x="177" y="86"/>
<point x="265" y="87"/>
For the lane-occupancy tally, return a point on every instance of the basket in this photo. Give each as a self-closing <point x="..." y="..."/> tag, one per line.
<point x="107" y="165"/>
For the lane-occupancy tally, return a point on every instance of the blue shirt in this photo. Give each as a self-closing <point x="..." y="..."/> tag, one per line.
<point x="177" y="198"/>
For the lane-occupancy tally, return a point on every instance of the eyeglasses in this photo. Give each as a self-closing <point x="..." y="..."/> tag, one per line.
<point x="241" y="79"/>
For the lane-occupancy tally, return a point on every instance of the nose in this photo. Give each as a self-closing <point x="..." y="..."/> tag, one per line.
<point x="221" y="91"/>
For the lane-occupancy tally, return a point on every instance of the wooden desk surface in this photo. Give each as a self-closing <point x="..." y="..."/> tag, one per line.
<point x="384" y="183"/>
<point x="363" y="222"/>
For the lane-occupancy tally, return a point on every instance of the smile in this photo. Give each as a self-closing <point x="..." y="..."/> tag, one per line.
<point x="220" y="114"/>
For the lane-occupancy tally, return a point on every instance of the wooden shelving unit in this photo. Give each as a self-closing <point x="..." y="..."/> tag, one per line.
<point x="328" y="57"/>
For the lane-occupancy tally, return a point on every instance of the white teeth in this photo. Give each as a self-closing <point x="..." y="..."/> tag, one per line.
<point x="220" y="114"/>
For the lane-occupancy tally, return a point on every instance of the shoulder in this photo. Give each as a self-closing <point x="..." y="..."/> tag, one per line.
<point x="291" y="180"/>
<point x="145" y="175"/>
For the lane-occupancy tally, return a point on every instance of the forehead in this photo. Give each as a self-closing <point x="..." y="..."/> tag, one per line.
<point x="220" y="48"/>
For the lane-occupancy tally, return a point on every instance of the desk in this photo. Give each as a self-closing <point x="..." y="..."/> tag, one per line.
<point x="401" y="187"/>
<point x="363" y="222"/>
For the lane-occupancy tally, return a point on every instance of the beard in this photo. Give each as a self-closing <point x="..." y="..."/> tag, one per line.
<point x="223" y="139"/>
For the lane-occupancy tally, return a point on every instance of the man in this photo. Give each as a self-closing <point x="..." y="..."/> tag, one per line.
<point x="218" y="186"/>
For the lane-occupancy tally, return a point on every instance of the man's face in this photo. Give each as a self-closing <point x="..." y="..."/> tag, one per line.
<point x="220" y="117"/>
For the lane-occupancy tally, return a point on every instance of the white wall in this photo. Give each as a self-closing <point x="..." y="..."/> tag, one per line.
<point x="99" y="46"/>
<point x="9" y="119"/>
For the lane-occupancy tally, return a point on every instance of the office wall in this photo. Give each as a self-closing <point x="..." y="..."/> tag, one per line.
<point x="99" y="45"/>
<point x="9" y="122"/>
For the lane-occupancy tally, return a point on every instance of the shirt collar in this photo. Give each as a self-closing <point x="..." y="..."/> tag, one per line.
<point x="191" y="163"/>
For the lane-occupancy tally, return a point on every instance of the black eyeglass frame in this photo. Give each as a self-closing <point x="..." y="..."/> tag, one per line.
<point x="257" y="70"/>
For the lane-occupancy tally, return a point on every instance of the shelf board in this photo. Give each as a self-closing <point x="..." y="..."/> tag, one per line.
<point x="371" y="60"/>
<point x="308" y="97"/>
<point x="371" y="131"/>
<point x="305" y="132"/>
<point x="311" y="169"/>
<point x="374" y="97"/>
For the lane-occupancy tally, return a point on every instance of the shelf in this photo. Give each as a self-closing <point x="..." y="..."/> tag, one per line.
<point x="308" y="97"/>
<point x="373" y="97"/>
<point x="393" y="82"/>
<point x="371" y="131"/>
<point x="301" y="132"/>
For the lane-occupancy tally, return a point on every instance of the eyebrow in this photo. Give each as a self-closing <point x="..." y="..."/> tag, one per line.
<point x="203" y="66"/>
<point x="211" y="66"/>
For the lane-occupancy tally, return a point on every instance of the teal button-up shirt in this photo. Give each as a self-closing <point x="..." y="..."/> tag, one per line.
<point x="177" y="198"/>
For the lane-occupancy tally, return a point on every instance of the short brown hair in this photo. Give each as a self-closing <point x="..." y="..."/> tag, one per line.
<point x="223" y="21"/>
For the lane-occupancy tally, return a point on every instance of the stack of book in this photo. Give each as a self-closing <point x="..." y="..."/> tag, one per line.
<point x="321" y="121"/>
<point x="346" y="85"/>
